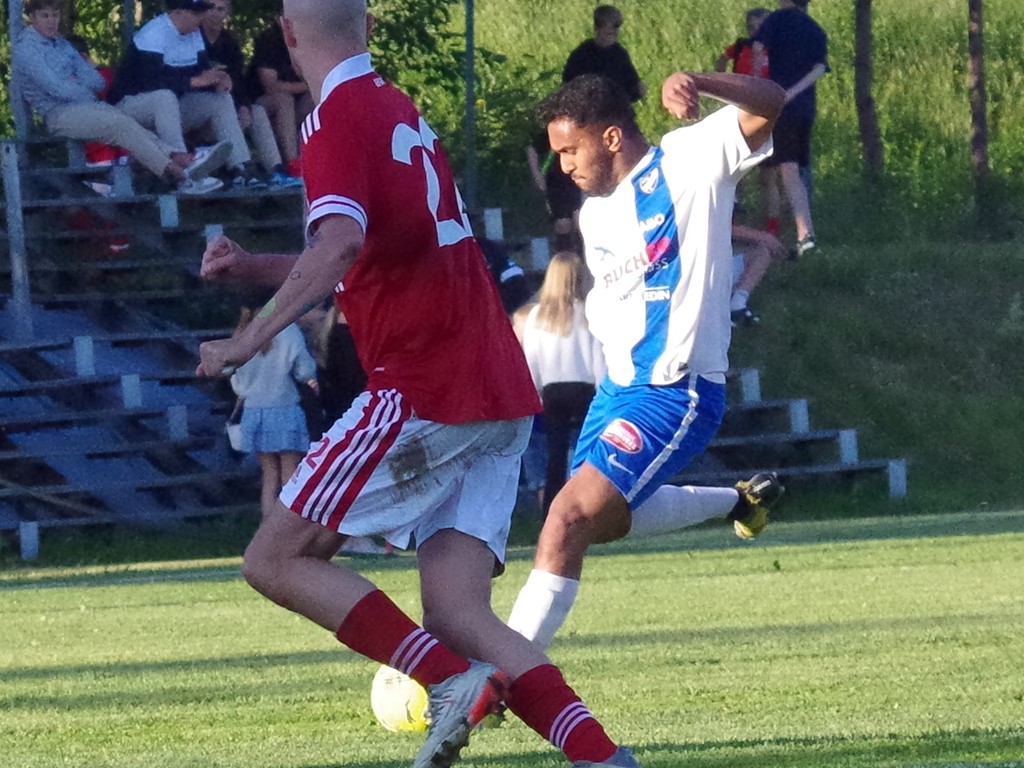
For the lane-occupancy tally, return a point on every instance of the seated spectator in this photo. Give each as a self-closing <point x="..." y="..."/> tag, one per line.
<point x="565" y="359"/>
<point x="224" y="51"/>
<point x="97" y="153"/>
<point x="753" y="252"/>
<point x="62" y="88"/>
<point x="275" y="85"/>
<point x="508" y="275"/>
<point x="169" y="53"/>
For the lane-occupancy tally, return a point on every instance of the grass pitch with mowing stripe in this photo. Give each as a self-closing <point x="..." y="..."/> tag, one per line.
<point x="869" y="643"/>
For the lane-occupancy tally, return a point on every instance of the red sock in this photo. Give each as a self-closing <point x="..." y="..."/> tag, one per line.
<point x="772" y="225"/>
<point x="377" y="628"/>
<point x="544" y="701"/>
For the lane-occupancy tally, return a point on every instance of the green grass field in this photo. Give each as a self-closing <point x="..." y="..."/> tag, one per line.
<point x="862" y="643"/>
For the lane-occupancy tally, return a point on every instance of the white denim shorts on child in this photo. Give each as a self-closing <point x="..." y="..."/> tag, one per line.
<point x="380" y="470"/>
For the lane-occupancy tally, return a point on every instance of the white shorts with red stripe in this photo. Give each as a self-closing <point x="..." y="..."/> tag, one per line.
<point x="381" y="470"/>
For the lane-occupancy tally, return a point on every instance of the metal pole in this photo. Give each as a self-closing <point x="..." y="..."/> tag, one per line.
<point x="127" y="22"/>
<point x="470" y="125"/>
<point x="20" y="115"/>
<point x="21" y="298"/>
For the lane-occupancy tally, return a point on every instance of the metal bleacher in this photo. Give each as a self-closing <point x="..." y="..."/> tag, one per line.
<point x="102" y="419"/>
<point x="776" y="435"/>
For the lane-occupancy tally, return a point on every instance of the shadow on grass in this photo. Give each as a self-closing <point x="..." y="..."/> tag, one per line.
<point x="953" y="749"/>
<point x="717" y="535"/>
<point x="711" y="536"/>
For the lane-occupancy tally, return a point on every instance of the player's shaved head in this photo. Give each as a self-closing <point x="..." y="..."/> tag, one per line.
<point x="328" y="19"/>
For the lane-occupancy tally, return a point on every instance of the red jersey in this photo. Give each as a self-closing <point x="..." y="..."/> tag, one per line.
<point x="423" y="310"/>
<point x="742" y="55"/>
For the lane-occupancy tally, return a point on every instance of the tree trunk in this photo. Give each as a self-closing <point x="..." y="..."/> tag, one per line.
<point x="863" y="69"/>
<point x="976" y="88"/>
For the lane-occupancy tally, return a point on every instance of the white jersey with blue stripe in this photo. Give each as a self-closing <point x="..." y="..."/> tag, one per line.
<point x="660" y="250"/>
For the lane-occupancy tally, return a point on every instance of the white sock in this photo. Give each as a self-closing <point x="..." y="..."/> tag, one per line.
<point x="674" y="507"/>
<point x="739" y="299"/>
<point x="543" y="604"/>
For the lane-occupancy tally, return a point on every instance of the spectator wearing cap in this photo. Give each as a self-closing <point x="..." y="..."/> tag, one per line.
<point x="63" y="89"/>
<point x="169" y="52"/>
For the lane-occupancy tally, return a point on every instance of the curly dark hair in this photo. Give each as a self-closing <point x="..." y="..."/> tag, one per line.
<point x="589" y="100"/>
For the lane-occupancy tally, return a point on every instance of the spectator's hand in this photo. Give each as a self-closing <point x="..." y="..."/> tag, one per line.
<point x="203" y="79"/>
<point x="245" y="118"/>
<point x="222" y="81"/>
<point x="680" y="97"/>
<point x="223" y="259"/>
<point x="217" y="79"/>
<point x="221" y="357"/>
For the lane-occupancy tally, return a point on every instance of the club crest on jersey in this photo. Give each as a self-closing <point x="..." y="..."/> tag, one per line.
<point x="648" y="181"/>
<point x="624" y="436"/>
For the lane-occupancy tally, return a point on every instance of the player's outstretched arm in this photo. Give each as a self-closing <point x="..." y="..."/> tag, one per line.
<point x="331" y="251"/>
<point x="760" y="100"/>
<point x="224" y="260"/>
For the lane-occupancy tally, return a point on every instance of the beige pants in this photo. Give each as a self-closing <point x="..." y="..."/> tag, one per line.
<point x="263" y="140"/>
<point x="158" y="111"/>
<point x="99" y="121"/>
<point x="217" y="112"/>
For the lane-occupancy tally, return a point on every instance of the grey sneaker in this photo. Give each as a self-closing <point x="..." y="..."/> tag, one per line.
<point x="750" y="515"/>
<point x="457" y="705"/>
<point x="622" y="758"/>
<point x="207" y="160"/>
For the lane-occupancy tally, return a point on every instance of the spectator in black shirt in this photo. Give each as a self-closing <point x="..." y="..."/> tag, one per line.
<point x="224" y="51"/>
<point x="275" y="85"/>
<point x="603" y="55"/>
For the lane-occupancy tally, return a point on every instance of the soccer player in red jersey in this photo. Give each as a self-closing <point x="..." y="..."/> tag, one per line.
<point x="428" y="455"/>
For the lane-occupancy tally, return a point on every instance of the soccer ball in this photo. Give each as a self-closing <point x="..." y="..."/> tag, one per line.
<point x="398" y="702"/>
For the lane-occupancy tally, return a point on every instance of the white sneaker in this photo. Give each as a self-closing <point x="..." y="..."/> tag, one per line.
<point x="457" y="705"/>
<point x="199" y="186"/>
<point x="208" y="159"/>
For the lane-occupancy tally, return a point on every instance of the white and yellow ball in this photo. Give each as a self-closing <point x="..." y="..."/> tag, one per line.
<point x="399" y="703"/>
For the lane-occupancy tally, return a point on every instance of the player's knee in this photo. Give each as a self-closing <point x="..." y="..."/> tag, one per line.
<point x="570" y="521"/>
<point x="259" y="566"/>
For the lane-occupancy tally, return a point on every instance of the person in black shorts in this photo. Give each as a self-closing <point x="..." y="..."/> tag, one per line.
<point x="563" y="196"/>
<point x="797" y="49"/>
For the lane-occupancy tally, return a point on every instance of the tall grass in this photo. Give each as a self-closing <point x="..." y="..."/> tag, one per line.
<point x="886" y="643"/>
<point x="920" y="91"/>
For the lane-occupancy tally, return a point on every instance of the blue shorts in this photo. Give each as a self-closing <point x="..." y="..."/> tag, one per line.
<point x="639" y="437"/>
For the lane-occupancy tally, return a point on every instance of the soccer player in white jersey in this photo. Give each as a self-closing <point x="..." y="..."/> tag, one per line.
<point x="657" y="229"/>
<point x="429" y="454"/>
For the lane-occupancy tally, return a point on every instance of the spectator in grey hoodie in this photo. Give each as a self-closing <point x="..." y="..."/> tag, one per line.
<point x="62" y="87"/>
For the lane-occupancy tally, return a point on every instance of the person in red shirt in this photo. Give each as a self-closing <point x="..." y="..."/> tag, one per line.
<point x="741" y="52"/>
<point x="428" y="455"/>
<point x="741" y="55"/>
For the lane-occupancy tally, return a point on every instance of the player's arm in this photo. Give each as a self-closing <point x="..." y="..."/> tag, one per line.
<point x="759" y="100"/>
<point x="805" y="82"/>
<point x="226" y="261"/>
<point x="331" y="251"/>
